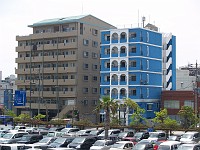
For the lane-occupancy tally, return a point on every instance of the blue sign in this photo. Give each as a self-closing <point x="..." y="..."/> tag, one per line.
<point x="20" y="98"/>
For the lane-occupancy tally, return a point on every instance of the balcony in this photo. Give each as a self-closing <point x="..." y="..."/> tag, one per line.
<point x="123" y="40"/>
<point x="50" y="94"/>
<point x="47" y="35"/>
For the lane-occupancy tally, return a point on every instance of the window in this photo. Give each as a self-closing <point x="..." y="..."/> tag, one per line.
<point x="94" y="43"/>
<point x="85" y="42"/>
<point x="85" y="66"/>
<point x="85" y="54"/>
<point x="85" y="102"/>
<point x="107" y="38"/>
<point x="147" y="92"/>
<point x="94" y="32"/>
<point x="172" y="104"/>
<point x="107" y="51"/>
<point x="133" y="78"/>
<point x="85" y="78"/>
<point x="133" y="92"/>
<point x="133" y="35"/>
<point x="94" y="102"/>
<point x="189" y="103"/>
<point x="133" y="64"/>
<point x="94" y="78"/>
<point x="133" y="49"/>
<point x="147" y="36"/>
<point x="147" y="64"/>
<point x="94" y="55"/>
<point x="85" y="90"/>
<point x="95" y="67"/>
<point x="149" y="106"/>
<point x="147" y="50"/>
<point x="94" y="90"/>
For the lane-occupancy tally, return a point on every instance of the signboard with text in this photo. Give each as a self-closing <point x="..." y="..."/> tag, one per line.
<point x="20" y="98"/>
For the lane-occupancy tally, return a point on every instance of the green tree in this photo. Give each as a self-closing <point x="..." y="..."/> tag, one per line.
<point x="23" y="118"/>
<point x="137" y="117"/>
<point x="187" y="116"/>
<point x="10" y="113"/>
<point x="160" y="117"/>
<point x="110" y="107"/>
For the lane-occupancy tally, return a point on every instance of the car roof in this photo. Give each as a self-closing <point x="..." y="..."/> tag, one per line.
<point x="191" y="132"/>
<point x="124" y="142"/>
<point x="170" y="142"/>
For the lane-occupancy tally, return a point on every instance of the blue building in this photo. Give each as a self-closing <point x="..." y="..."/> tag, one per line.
<point x="137" y="63"/>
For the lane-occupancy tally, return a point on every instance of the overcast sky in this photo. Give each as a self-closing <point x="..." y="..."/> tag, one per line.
<point x="180" y="17"/>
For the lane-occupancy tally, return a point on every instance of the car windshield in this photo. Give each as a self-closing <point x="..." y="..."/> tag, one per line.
<point x="122" y="134"/>
<point x="139" y="146"/>
<point x="173" y="138"/>
<point x="118" y="145"/>
<point x="187" y="136"/>
<point x="65" y="130"/>
<point x="78" y="140"/>
<point x="44" y="140"/>
<point x="81" y="132"/>
<point x="25" y="138"/>
<point x="164" y="147"/>
<point x="153" y="135"/>
<point x="59" y="140"/>
<point x="99" y="143"/>
<point x="138" y="134"/>
<point x="51" y="134"/>
<point x="8" y="136"/>
<point x="93" y="132"/>
<point x="185" y="147"/>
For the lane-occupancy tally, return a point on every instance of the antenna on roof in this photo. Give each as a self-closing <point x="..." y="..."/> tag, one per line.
<point x="143" y="20"/>
<point x="138" y="19"/>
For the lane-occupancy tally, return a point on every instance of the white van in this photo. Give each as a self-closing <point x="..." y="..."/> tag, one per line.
<point x="169" y="145"/>
<point x="190" y="137"/>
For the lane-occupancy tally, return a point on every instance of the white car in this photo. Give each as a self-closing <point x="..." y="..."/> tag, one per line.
<point x="123" y="145"/>
<point x="102" y="145"/>
<point x="12" y="146"/>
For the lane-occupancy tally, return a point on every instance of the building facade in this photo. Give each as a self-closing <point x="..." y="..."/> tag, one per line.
<point x="135" y="64"/>
<point x="59" y="66"/>
<point x="7" y="88"/>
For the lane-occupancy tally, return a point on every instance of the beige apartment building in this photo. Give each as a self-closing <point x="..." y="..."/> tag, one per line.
<point x="59" y="67"/>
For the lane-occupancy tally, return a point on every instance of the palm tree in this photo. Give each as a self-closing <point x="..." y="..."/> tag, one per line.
<point x="128" y="103"/>
<point x="109" y="106"/>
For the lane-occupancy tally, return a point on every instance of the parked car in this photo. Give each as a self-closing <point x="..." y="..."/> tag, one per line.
<point x="69" y="131"/>
<point x="12" y="137"/>
<point x="83" y="132"/>
<point x="82" y="143"/>
<point x="61" y="142"/>
<point x="123" y="135"/>
<point x="143" y="146"/>
<point x="96" y="132"/>
<point x="174" y="138"/>
<point x="61" y="148"/>
<point x="11" y="146"/>
<point x="111" y="132"/>
<point x="158" y="136"/>
<point x="169" y="145"/>
<point x="189" y="147"/>
<point x="127" y="145"/>
<point x="141" y="135"/>
<point x="54" y="134"/>
<point x="102" y="145"/>
<point x="30" y="138"/>
<point x="46" y="141"/>
<point x="190" y="137"/>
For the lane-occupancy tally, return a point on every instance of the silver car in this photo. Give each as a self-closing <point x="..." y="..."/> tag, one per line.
<point x="102" y="145"/>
